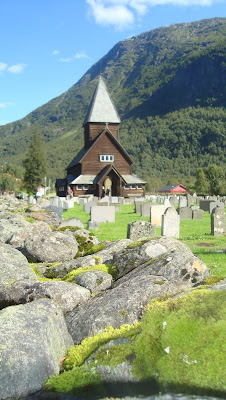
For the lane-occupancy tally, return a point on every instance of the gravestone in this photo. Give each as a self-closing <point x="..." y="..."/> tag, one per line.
<point x="57" y="210"/>
<point x="183" y="202"/>
<point x="185" y="213"/>
<point x="116" y="206"/>
<point x="167" y="202"/>
<point x="102" y="204"/>
<point x="113" y="199"/>
<point x="104" y="200"/>
<point x="30" y="199"/>
<point x="121" y="200"/>
<point x="82" y="201"/>
<point x="197" y="213"/>
<point x="67" y="204"/>
<point x="140" y="229"/>
<point x="190" y="200"/>
<point x="103" y="214"/>
<point x="93" y="225"/>
<point x="138" y="205"/>
<point x="88" y="206"/>
<point x="145" y="209"/>
<point x="170" y="223"/>
<point x="156" y="213"/>
<point x="214" y="204"/>
<point x="218" y="222"/>
<point x="173" y="201"/>
<point x="205" y="205"/>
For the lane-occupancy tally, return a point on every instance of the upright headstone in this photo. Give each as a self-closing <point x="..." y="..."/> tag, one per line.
<point x="173" y="201"/>
<point x="156" y="213"/>
<point x="140" y="229"/>
<point x="93" y="225"/>
<point x="82" y="201"/>
<point x="217" y="221"/>
<point x="138" y="205"/>
<point x="145" y="209"/>
<point x="197" y="213"/>
<point x="214" y="204"/>
<point x="183" y="202"/>
<point x="103" y="214"/>
<point x="190" y="200"/>
<point x="113" y="200"/>
<point x="185" y="213"/>
<point x="88" y="206"/>
<point x="170" y="223"/>
<point x="205" y="205"/>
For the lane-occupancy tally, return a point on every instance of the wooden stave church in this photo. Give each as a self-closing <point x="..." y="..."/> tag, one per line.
<point x="102" y="162"/>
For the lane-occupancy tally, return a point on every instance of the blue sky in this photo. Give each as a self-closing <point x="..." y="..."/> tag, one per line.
<point x="47" y="45"/>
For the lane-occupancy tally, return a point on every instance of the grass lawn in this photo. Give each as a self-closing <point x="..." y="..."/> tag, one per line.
<point x="194" y="233"/>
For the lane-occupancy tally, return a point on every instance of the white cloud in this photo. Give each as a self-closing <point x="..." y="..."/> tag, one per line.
<point x="55" y="52"/>
<point x="74" y="57"/>
<point x="123" y="13"/>
<point x="6" y="104"/>
<point x="3" y="66"/>
<point x="111" y="13"/>
<point x="16" y="69"/>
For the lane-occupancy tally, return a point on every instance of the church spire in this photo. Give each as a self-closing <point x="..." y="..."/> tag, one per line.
<point x="102" y="108"/>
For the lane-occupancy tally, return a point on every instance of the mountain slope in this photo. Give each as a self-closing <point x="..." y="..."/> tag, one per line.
<point x="169" y="88"/>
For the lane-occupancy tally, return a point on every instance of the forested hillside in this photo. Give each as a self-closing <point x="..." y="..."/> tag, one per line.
<point x="169" y="88"/>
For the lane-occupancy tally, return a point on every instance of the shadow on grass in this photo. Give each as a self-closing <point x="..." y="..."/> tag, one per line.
<point x="123" y="389"/>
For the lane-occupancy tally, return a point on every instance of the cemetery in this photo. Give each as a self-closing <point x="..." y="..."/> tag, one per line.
<point x="93" y="275"/>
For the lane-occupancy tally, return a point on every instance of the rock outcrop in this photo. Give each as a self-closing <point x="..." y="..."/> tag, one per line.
<point x="152" y="269"/>
<point x="34" y="338"/>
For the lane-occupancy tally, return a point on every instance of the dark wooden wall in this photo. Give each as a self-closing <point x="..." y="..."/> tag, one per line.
<point x="92" y="130"/>
<point x="91" y="164"/>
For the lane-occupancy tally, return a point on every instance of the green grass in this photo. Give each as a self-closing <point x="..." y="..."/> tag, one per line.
<point x="191" y="327"/>
<point x="194" y="233"/>
<point x="179" y="345"/>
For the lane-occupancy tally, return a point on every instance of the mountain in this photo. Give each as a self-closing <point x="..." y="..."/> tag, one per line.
<point x="168" y="86"/>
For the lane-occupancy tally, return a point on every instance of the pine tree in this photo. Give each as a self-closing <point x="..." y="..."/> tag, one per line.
<point x="34" y="163"/>
<point x="201" y="183"/>
<point x="215" y="175"/>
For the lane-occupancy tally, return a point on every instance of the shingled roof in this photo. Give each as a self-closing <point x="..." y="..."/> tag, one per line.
<point x="101" y="107"/>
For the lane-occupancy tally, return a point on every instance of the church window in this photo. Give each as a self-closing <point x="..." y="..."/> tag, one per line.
<point x="106" y="158"/>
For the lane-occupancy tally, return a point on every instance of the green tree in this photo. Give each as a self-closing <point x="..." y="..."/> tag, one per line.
<point x="215" y="175"/>
<point x="34" y="163"/>
<point x="201" y="183"/>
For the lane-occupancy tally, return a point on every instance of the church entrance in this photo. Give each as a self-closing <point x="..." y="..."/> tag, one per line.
<point x="108" y="186"/>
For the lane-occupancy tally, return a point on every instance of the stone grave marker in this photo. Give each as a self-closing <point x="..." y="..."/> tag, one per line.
<point x="218" y="221"/>
<point x="113" y="199"/>
<point x="185" y="213"/>
<point x="103" y="214"/>
<point x="183" y="202"/>
<point x="197" y="213"/>
<point x="156" y="213"/>
<point x="82" y="201"/>
<point x="145" y="209"/>
<point x="205" y="205"/>
<point x="170" y="223"/>
<point x="214" y="204"/>
<point x="93" y="225"/>
<point x="140" y="229"/>
<point x="88" y="206"/>
<point x="138" y="205"/>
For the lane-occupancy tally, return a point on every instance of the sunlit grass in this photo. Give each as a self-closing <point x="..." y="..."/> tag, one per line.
<point x="194" y="233"/>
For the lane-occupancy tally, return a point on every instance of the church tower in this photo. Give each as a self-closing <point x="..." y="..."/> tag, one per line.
<point x="101" y="112"/>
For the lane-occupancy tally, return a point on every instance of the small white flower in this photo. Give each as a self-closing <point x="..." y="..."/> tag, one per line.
<point x="167" y="350"/>
<point x="164" y="324"/>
